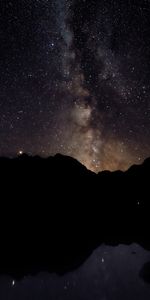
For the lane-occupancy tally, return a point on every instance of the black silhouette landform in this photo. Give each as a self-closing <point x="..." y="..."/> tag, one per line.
<point x="54" y="212"/>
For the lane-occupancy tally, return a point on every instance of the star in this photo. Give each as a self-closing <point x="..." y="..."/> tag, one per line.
<point x="13" y="283"/>
<point x="20" y="152"/>
<point x="84" y="89"/>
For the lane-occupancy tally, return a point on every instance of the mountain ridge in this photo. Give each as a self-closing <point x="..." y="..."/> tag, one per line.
<point x="60" y="156"/>
<point x="54" y="212"/>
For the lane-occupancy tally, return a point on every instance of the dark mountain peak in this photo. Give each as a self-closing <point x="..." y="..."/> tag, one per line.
<point x="147" y="162"/>
<point x="68" y="159"/>
<point x="58" y="164"/>
<point x="70" y="163"/>
<point x="140" y="169"/>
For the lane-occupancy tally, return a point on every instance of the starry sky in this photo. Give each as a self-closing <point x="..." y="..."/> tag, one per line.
<point x="75" y="79"/>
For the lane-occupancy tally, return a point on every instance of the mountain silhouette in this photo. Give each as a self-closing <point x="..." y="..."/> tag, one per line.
<point x="54" y="212"/>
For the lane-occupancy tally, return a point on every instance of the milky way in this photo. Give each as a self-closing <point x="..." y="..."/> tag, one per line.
<point x="75" y="80"/>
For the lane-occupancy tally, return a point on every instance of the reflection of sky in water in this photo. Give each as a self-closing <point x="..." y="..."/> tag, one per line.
<point x="111" y="273"/>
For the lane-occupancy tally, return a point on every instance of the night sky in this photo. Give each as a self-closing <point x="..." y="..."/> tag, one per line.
<point x="75" y="79"/>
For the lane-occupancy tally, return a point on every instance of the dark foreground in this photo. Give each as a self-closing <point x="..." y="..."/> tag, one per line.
<point x="109" y="273"/>
<point x="54" y="212"/>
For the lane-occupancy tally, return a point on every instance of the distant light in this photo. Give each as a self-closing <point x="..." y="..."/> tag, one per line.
<point x="103" y="260"/>
<point x="13" y="283"/>
<point x="20" y="152"/>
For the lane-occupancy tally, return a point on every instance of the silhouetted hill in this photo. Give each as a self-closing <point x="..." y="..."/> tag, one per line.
<point x="54" y="212"/>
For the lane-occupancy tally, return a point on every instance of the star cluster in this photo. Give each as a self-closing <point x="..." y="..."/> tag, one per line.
<point x="75" y="79"/>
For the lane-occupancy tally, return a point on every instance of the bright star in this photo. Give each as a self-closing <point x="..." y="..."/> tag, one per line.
<point x="20" y="152"/>
<point x="13" y="283"/>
